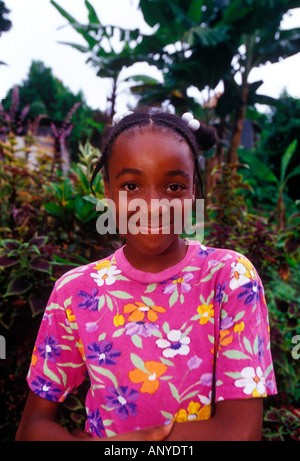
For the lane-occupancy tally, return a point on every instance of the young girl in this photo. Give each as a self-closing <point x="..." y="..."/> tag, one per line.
<point x="173" y="335"/>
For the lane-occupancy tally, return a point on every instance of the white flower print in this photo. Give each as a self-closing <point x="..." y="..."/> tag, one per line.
<point x="105" y="275"/>
<point x="253" y="381"/>
<point x="175" y="344"/>
<point x="242" y="272"/>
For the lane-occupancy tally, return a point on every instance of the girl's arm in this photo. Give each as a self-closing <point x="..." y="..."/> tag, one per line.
<point x="38" y="424"/>
<point x="234" y="420"/>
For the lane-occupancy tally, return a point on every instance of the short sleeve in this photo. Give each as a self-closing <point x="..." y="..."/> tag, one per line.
<point x="244" y="367"/>
<point x="57" y="364"/>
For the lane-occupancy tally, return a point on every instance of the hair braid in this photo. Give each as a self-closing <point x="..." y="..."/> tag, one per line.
<point x="203" y="139"/>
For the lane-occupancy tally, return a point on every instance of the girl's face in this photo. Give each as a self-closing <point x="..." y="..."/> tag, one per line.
<point x="150" y="164"/>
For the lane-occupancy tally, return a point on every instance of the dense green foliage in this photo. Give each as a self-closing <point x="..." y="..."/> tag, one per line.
<point x="48" y="218"/>
<point x="47" y="98"/>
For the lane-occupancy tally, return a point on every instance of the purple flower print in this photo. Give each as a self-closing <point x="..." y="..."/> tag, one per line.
<point x="194" y="362"/>
<point x="121" y="401"/>
<point x="250" y="292"/>
<point x="182" y="281"/>
<point x="220" y="292"/>
<point x="89" y="302"/>
<point x="96" y="423"/>
<point x="206" y="379"/>
<point x="261" y="349"/>
<point x="204" y="251"/>
<point x="226" y="323"/>
<point x="141" y="328"/>
<point x="102" y="353"/>
<point x="50" y="349"/>
<point x="45" y="389"/>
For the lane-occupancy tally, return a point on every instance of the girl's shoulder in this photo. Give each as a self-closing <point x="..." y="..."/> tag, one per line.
<point x="225" y="261"/>
<point x="84" y="271"/>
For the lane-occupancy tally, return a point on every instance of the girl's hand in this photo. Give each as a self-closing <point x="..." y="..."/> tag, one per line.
<point x="38" y="423"/>
<point x="149" y="434"/>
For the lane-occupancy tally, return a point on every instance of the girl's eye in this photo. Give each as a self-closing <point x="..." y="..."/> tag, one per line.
<point x="130" y="186"/>
<point x="175" y="187"/>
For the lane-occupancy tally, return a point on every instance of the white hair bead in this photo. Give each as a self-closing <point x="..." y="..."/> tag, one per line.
<point x="119" y="116"/>
<point x="190" y="121"/>
<point x="194" y="124"/>
<point x="187" y="117"/>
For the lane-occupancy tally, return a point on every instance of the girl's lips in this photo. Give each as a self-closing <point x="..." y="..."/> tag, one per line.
<point x="155" y="230"/>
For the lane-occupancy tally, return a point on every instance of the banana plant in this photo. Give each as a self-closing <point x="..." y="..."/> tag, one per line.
<point x="264" y="173"/>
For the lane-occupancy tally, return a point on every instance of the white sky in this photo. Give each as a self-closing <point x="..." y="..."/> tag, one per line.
<point x="37" y="29"/>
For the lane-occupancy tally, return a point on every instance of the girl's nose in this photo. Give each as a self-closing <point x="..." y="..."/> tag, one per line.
<point x="158" y="207"/>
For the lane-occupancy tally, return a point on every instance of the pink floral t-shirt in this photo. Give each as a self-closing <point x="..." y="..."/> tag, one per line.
<point x="156" y="347"/>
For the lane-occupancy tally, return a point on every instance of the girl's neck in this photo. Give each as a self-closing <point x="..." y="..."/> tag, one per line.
<point x="156" y="263"/>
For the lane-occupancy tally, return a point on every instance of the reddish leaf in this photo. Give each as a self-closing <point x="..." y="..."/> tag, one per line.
<point x="18" y="286"/>
<point x="40" y="264"/>
<point x="37" y="303"/>
<point x="5" y="261"/>
<point x="38" y="241"/>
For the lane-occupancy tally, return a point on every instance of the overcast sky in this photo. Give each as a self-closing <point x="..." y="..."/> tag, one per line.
<point x="37" y="27"/>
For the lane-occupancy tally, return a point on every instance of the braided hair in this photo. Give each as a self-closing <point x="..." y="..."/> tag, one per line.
<point x="203" y="139"/>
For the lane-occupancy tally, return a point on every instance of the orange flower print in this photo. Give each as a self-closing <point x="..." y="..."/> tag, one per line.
<point x="80" y="348"/>
<point x="138" y="311"/>
<point x="150" y="377"/>
<point x="225" y="340"/>
<point x="34" y="357"/>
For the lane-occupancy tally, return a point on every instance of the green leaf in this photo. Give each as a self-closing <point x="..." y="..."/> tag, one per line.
<point x="118" y="333"/>
<point x="166" y="328"/>
<point x="147" y="301"/>
<point x="237" y="355"/>
<point x="93" y="18"/>
<point x="137" y="341"/>
<point x="101" y="302"/>
<point x="189" y="396"/>
<point x="151" y="287"/>
<point x="247" y="345"/>
<point x="289" y="152"/>
<point x="52" y="376"/>
<point x="55" y="210"/>
<point x="232" y="374"/>
<point x="174" y="391"/>
<point x="138" y="363"/>
<point x="167" y="415"/>
<point x="239" y="316"/>
<point x="105" y="372"/>
<point x="294" y="172"/>
<point x="195" y="10"/>
<point x="167" y="362"/>
<point x="68" y="279"/>
<point x="173" y="297"/>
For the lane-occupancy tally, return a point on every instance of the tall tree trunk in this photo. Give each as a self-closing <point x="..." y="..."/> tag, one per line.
<point x="112" y="99"/>
<point x="232" y="156"/>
